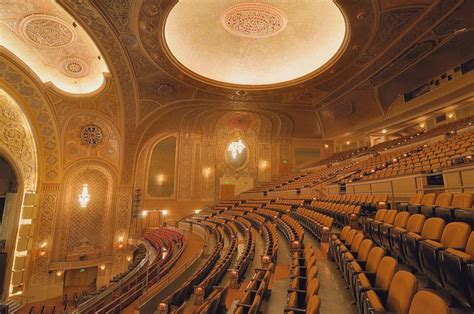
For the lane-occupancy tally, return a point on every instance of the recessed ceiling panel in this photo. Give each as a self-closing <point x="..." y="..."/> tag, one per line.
<point x="254" y="43"/>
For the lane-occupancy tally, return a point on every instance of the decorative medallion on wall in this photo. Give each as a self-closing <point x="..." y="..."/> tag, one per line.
<point x="254" y="20"/>
<point x="92" y="135"/>
<point x="47" y="31"/>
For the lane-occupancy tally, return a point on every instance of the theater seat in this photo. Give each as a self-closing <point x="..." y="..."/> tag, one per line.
<point x="361" y="256"/>
<point x="414" y="224"/>
<point x="398" y="299"/>
<point x="400" y="221"/>
<point x="389" y="218"/>
<point x="460" y="200"/>
<point x="455" y="236"/>
<point x="336" y="240"/>
<point x="432" y="230"/>
<point x="457" y="272"/>
<point x="443" y="199"/>
<point x="354" y="249"/>
<point x="428" y="199"/>
<point x="414" y="199"/>
<point x="465" y="215"/>
<point x="370" y="266"/>
<point x="380" y="280"/>
<point x="379" y="215"/>
<point x="428" y="302"/>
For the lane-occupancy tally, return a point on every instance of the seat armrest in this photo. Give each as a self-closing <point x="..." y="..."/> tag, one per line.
<point x="371" y="276"/>
<point x="296" y="290"/>
<point x="382" y="294"/>
<point x="292" y="309"/>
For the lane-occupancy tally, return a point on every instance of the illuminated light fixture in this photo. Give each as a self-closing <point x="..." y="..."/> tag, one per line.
<point x="144" y="213"/>
<point x="59" y="273"/>
<point x="384" y="131"/>
<point x="160" y="178"/>
<point x="422" y="125"/>
<point x="236" y="148"/>
<point x="451" y="115"/>
<point x="164" y="212"/>
<point x="42" y="253"/>
<point x="197" y="211"/>
<point x="348" y="142"/>
<point x="129" y="258"/>
<point x="326" y="145"/>
<point x="84" y="197"/>
<point x="102" y="267"/>
<point x="207" y="172"/>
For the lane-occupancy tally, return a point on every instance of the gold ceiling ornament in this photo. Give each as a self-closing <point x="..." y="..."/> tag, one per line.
<point x="254" y="20"/>
<point x="92" y="135"/>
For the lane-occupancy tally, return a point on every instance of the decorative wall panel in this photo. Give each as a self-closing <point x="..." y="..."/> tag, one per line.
<point x="162" y="169"/>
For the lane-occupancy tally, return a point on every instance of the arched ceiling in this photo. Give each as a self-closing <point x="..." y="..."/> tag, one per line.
<point x="254" y="43"/>
<point x="52" y="44"/>
<point x="390" y="44"/>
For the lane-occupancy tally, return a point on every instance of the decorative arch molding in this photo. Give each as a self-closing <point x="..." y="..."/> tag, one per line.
<point x="103" y="186"/>
<point x="17" y="141"/>
<point x="119" y="65"/>
<point x="26" y="93"/>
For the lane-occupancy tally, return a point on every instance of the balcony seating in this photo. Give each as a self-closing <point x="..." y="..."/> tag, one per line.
<point x="414" y="199"/>
<point x="414" y="225"/>
<point x="426" y="200"/>
<point x="460" y="201"/>
<point x="400" y="221"/>
<point x="358" y="266"/>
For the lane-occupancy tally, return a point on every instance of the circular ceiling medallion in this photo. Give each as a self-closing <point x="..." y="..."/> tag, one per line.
<point x="92" y="135"/>
<point x="74" y="67"/>
<point x="47" y="31"/>
<point x="254" y="20"/>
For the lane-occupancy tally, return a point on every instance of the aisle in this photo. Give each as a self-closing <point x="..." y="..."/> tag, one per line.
<point x="335" y="298"/>
<point x="280" y="279"/>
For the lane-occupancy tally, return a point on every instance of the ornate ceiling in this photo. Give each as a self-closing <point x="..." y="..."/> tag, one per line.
<point x="252" y="43"/>
<point x="390" y="47"/>
<point x="58" y="50"/>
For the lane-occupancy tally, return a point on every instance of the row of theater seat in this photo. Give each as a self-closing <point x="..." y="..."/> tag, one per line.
<point x="315" y="222"/>
<point x="449" y="206"/>
<point x="304" y="283"/>
<point x="256" y="290"/>
<point x="374" y="280"/>
<point x="369" y="203"/>
<point x="443" y="251"/>
<point x="176" y="301"/>
<point x="342" y="213"/>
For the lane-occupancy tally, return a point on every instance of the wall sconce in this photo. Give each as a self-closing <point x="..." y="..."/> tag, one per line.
<point x="384" y="131"/>
<point x="160" y="178"/>
<point x="348" y="142"/>
<point x="129" y="258"/>
<point x="164" y="212"/>
<point x="84" y="197"/>
<point x="197" y="211"/>
<point x="42" y="253"/>
<point x="102" y="267"/>
<point x="144" y="213"/>
<point x="207" y="172"/>
<point x="450" y="115"/>
<point x="59" y="273"/>
<point x="264" y="164"/>
<point x="120" y="242"/>
<point x="326" y="145"/>
<point x="422" y="125"/>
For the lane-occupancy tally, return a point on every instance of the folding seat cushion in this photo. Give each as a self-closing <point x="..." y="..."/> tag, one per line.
<point x="414" y="224"/>
<point x="457" y="272"/>
<point x="432" y="230"/>
<point x="400" y="221"/>
<point x="414" y="199"/>
<point x="344" y="247"/>
<point x="428" y="199"/>
<point x="335" y="239"/>
<point x="444" y="199"/>
<point x="399" y="298"/>
<point x="455" y="235"/>
<point x="428" y="302"/>
<point x="313" y="305"/>
<point x="460" y="200"/>
<point x="381" y="280"/>
<point x="370" y="266"/>
<point x="389" y="218"/>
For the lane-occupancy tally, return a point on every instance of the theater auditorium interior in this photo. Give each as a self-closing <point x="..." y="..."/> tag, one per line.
<point x="227" y="156"/>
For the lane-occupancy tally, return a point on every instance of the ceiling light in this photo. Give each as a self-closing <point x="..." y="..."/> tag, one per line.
<point x="384" y="131"/>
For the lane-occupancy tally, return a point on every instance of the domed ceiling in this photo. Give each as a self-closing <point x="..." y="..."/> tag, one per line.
<point x="254" y="43"/>
<point x="56" y="48"/>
